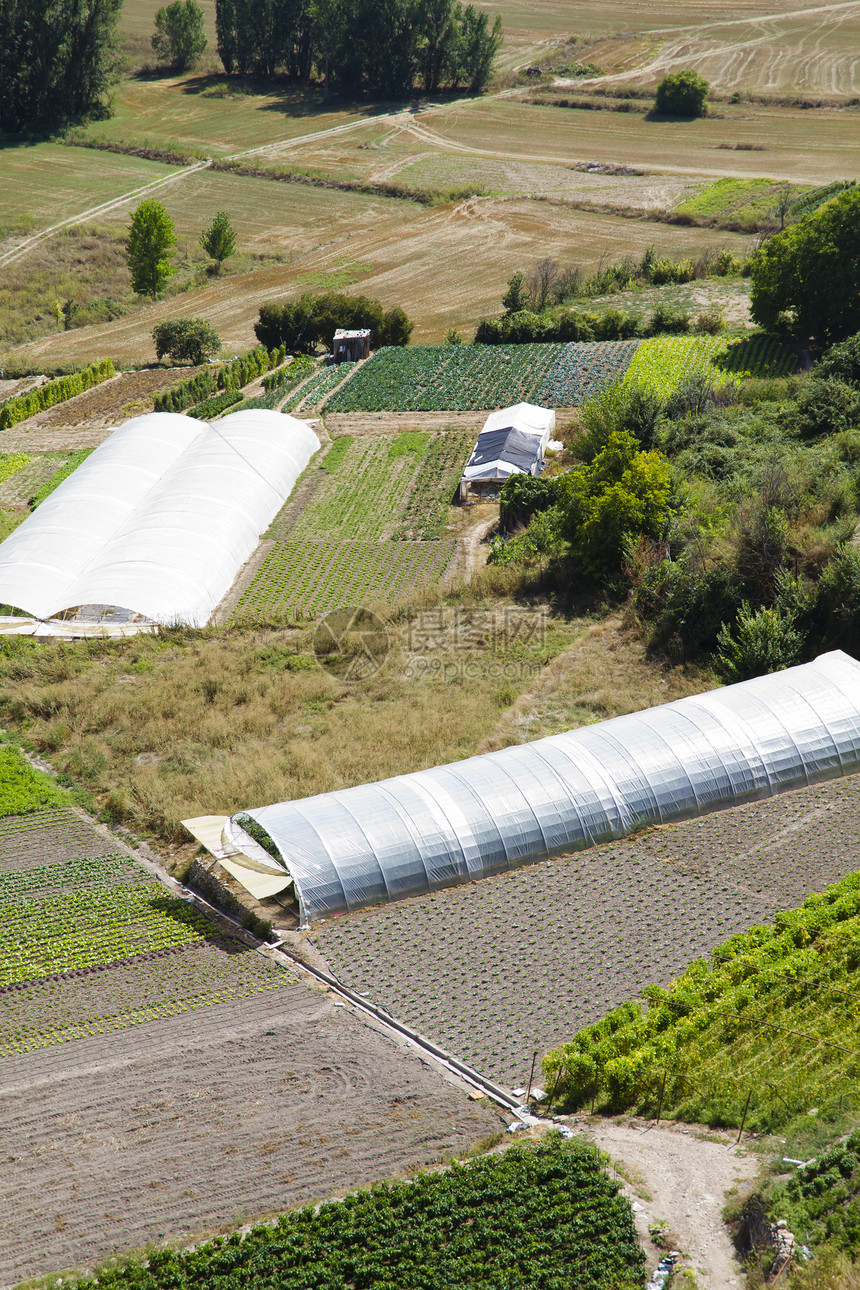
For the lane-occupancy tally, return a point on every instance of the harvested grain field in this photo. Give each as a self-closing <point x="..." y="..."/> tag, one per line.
<point x="238" y="1100"/>
<point x="516" y="963"/>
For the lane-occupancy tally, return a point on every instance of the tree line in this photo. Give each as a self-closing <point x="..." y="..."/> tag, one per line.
<point x="382" y="47"/>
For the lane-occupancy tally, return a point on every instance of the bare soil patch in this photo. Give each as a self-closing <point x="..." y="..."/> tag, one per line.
<point x="516" y="963"/>
<point x="680" y="1178"/>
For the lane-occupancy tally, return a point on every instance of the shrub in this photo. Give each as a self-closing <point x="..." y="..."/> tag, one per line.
<point x="667" y="318"/>
<point x="824" y="405"/>
<point x="523" y="496"/>
<point x="186" y="340"/>
<point x="836" y="612"/>
<point x="185" y="393"/>
<point x="762" y="641"/>
<point x="232" y="376"/>
<point x="682" y="94"/>
<point x="842" y="362"/>
<point x="300" y="325"/>
<point x="687" y="606"/>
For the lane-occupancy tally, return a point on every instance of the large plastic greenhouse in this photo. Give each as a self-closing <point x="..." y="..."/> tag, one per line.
<point x="159" y="519"/>
<point x="416" y="833"/>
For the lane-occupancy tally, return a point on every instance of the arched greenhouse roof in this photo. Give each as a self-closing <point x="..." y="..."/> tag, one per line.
<point x="415" y="833"/>
<point x="159" y="518"/>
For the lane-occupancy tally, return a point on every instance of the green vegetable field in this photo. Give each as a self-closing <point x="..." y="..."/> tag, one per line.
<point x="434" y="378"/>
<point x="772" y="1017"/>
<point x="532" y="1217"/>
<point x="366" y="524"/>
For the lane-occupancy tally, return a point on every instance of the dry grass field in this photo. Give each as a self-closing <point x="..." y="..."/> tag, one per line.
<point x="515" y="963"/>
<point x="447" y="265"/>
<point x="161" y="729"/>
<point x="243" y="1093"/>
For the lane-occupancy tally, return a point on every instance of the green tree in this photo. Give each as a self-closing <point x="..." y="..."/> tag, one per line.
<point x="682" y="94"/>
<point x="186" y="340"/>
<point x="180" y="37"/>
<point x="151" y="239"/>
<point x="762" y="641"/>
<point x="807" y="279"/>
<point x="58" y="60"/>
<point x="623" y="492"/>
<point x="516" y="298"/>
<point x="219" y="239"/>
<point x="842" y="362"/>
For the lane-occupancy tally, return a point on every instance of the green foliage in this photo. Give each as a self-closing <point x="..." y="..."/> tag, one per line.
<point x="543" y="537"/>
<point x="151" y="242"/>
<point x="618" y="407"/>
<point x="300" y="325"/>
<point x="284" y="378"/>
<point x="768" y="1017"/>
<point x="337" y="452"/>
<point x="180" y="36"/>
<point x="214" y="406"/>
<point x="232" y="376"/>
<point x="57" y="478"/>
<point x="761" y="641"/>
<point x="46" y="396"/>
<point x="219" y="239"/>
<point x="516" y="298"/>
<point x="682" y="93"/>
<point x="57" y="61"/>
<point x="821" y="1200"/>
<point x="824" y="405"/>
<point x="186" y="340"/>
<point x="842" y="362"/>
<point x="531" y="1217"/>
<point x="622" y="493"/>
<point x="687" y="606"/>
<point x="185" y="393"/>
<point x="523" y="496"/>
<point x="836" y="613"/>
<point x="24" y="789"/>
<point x="807" y="278"/>
<point x="10" y="464"/>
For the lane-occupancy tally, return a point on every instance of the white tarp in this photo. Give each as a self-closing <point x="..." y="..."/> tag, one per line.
<point x="416" y="833"/>
<point x="512" y="442"/>
<point x="159" y="519"/>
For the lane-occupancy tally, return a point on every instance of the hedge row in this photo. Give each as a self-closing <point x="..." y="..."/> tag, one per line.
<point x="285" y="377"/>
<point x="46" y="396"/>
<point x="181" y="396"/>
<point x="213" y="407"/>
<point x="232" y="376"/>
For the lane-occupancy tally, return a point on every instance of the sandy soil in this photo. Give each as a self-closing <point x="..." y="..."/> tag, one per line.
<point x="680" y="1177"/>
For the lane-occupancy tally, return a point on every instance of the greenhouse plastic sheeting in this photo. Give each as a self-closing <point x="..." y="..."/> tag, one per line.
<point x="159" y="519"/>
<point x="416" y="833"/>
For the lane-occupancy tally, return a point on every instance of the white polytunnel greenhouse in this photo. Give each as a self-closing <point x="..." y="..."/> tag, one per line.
<point x="159" y="518"/>
<point x="451" y="824"/>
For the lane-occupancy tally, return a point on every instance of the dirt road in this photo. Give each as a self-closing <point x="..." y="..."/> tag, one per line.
<point x="680" y="1177"/>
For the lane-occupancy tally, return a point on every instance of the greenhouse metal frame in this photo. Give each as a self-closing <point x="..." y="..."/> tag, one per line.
<point x="416" y="833"/>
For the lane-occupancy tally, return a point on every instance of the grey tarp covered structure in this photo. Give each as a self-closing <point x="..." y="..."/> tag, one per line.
<point x="416" y="833"/>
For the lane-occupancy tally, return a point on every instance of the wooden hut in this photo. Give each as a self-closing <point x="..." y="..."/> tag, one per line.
<point x="350" y="346"/>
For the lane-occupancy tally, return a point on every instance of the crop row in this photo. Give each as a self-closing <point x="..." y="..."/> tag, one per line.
<point x="314" y="577"/>
<point x="776" y="1007"/>
<point x="86" y="911"/>
<point x="113" y="996"/>
<point x="433" y="378"/>
<point x="22" y="788"/>
<point x="535" y="1216"/>
<point x="581" y="369"/>
<point x="315" y="390"/>
<point x="662" y="362"/>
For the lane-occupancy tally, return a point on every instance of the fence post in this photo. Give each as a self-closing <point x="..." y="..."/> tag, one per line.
<point x="662" y="1091"/>
<point x="744" y="1116"/>
<point x="561" y="1067"/>
<point x="531" y="1076"/>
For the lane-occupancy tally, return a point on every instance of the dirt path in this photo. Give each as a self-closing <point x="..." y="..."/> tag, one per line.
<point x="680" y="1177"/>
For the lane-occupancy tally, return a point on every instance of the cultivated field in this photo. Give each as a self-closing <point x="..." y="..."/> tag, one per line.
<point x="494" y="970"/>
<point x="137" y="1115"/>
<point x="367" y="522"/>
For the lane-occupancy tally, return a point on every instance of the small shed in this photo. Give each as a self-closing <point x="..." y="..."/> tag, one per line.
<point x="350" y="346"/>
<point x="512" y="442"/>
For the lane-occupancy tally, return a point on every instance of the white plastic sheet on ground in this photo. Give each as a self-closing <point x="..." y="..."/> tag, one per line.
<point x="416" y="833"/>
<point x="159" y="519"/>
